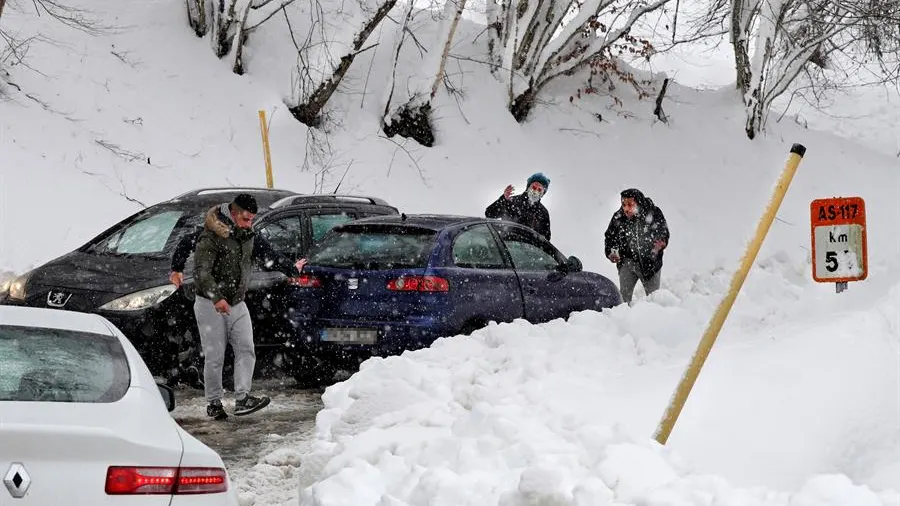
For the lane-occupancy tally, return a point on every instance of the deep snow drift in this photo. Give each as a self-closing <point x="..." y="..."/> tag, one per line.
<point x="802" y="383"/>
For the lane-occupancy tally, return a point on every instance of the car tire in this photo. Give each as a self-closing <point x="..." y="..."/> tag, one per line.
<point x="186" y="362"/>
<point x="472" y="326"/>
<point x="310" y="372"/>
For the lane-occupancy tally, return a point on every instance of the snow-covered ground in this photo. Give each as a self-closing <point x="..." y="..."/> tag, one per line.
<point x="263" y="451"/>
<point x="799" y="402"/>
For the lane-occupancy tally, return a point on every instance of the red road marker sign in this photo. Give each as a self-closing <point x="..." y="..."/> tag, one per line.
<point x="838" y="234"/>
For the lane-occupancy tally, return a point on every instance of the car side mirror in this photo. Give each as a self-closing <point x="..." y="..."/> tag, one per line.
<point x="574" y="264"/>
<point x="168" y="396"/>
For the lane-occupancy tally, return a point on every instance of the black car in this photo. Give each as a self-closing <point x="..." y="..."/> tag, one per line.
<point x="123" y="273"/>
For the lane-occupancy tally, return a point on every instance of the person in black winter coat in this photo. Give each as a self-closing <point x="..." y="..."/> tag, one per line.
<point x="636" y="238"/>
<point x="525" y="208"/>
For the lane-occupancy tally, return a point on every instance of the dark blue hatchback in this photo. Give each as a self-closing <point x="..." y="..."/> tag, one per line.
<point x="381" y="285"/>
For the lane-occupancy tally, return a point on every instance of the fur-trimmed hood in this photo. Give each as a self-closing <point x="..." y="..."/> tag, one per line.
<point x="218" y="220"/>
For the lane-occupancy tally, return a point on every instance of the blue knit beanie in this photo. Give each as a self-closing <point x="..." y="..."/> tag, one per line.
<point x="540" y="178"/>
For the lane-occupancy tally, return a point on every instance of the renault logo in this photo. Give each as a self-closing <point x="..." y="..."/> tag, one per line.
<point x="17" y="480"/>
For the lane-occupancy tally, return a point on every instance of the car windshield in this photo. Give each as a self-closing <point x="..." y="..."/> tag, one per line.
<point x="154" y="234"/>
<point x="374" y="247"/>
<point x="52" y="365"/>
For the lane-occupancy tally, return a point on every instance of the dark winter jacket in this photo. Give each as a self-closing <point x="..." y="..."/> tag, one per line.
<point x="224" y="257"/>
<point x="634" y="237"/>
<point x="519" y="210"/>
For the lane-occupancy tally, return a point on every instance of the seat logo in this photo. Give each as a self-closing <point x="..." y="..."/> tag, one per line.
<point x="57" y="298"/>
<point x="17" y="480"/>
<point x="353" y="283"/>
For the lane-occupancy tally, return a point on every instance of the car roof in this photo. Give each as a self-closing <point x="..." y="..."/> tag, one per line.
<point x="428" y="221"/>
<point x="21" y="316"/>
<point x="208" y="197"/>
<point x="331" y="198"/>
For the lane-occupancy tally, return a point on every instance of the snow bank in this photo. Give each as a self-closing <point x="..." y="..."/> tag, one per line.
<point x="799" y="396"/>
<point x="563" y="413"/>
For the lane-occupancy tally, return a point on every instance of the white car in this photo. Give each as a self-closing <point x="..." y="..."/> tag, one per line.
<point x="82" y="421"/>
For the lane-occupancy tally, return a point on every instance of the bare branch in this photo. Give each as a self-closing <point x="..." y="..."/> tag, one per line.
<point x="415" y="161"/>
<point x="72" y="17"/>
<point x="269" y="16"/>
<point x="129" y="156"/>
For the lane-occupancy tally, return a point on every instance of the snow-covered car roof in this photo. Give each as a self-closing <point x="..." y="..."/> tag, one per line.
<point x="53" y="318"/>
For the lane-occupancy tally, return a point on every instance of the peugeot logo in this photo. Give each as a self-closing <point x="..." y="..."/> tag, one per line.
<point x="353" y="283"/>
<point x="17" y="480"/>
<point x="57" y="298"/>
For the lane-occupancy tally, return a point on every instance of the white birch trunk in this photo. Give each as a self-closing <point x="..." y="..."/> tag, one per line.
<point x="331" y="51"/>
<point x="545" y="39"/>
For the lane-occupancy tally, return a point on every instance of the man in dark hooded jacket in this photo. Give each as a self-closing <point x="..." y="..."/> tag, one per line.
<point x="636" y="238"/>
<point x="525" y="208"/>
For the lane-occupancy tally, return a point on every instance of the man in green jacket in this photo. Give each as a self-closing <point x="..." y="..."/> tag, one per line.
<point x="223" y="261"/>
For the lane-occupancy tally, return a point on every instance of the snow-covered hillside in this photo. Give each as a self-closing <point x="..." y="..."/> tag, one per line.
<point x="802" y="382"/>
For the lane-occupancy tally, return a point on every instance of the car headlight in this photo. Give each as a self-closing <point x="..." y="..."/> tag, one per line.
<point x="140" y="300"/>
<point x="17" y="287"/>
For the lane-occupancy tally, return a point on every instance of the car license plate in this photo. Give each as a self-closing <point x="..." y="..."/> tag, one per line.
<point x="350" y="336"/>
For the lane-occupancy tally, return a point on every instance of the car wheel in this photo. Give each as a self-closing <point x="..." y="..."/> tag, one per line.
<point x="472" y="326"/>
<point x="310" y="372"/>
<point x="186" y="364"/>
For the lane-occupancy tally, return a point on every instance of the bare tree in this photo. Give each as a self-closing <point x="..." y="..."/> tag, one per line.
<point x="412" y="119"/>
<point x="73" y="17"/>
<point x="16" y="48"/>
<point x="533" y="42"/>
<point x="197" y="14"/>
<point x="224" y="22"/>
<point x="807" y="39"/>
<point x="395" y="54"/>
<point x="321" y="70"/>
<point x="227" y="21"/>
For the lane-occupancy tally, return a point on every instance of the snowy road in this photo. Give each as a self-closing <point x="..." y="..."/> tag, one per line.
<point x="261" y="450"/>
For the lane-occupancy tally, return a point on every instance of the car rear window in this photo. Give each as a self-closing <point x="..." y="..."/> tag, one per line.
<point x="51" y="365"/>
<point x="374" y="247"/>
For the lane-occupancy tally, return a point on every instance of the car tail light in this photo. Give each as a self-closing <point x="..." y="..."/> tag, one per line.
<point x="165" y="480"/>
<point x="419" y="284"/>
<point x="306" y="281"/>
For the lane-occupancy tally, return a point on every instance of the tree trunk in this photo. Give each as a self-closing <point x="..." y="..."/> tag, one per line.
<point x="447" y="45"/>
<point x="413" y="119"/>
<point x="309" y="112"/>
<point x="739" y="45"/>
<point x="521" y="106"/>
<point x="742" y="66"/>
<point x="658" y="111"/>
<point x="225" y="21"/>
<point x="754" y="115"/>
<point x="240" y="38"/>
<point x="2" y="3"/>
<point x="196" y="12"/>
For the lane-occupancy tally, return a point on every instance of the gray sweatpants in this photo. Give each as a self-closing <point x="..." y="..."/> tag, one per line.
<point x="216" y="331"/>
<point x="629" y="276"/>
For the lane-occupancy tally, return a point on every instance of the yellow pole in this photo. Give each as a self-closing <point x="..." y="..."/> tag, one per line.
<point x="737" y="281"/>
<point x="264" y="128"/>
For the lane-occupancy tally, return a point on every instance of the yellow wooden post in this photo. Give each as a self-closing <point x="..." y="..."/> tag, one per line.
<point x="737" y="281"/>
<point x="264" y="128"/>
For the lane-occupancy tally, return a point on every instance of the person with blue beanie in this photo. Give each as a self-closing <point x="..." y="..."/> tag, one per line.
<point x="525" y="208"/>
